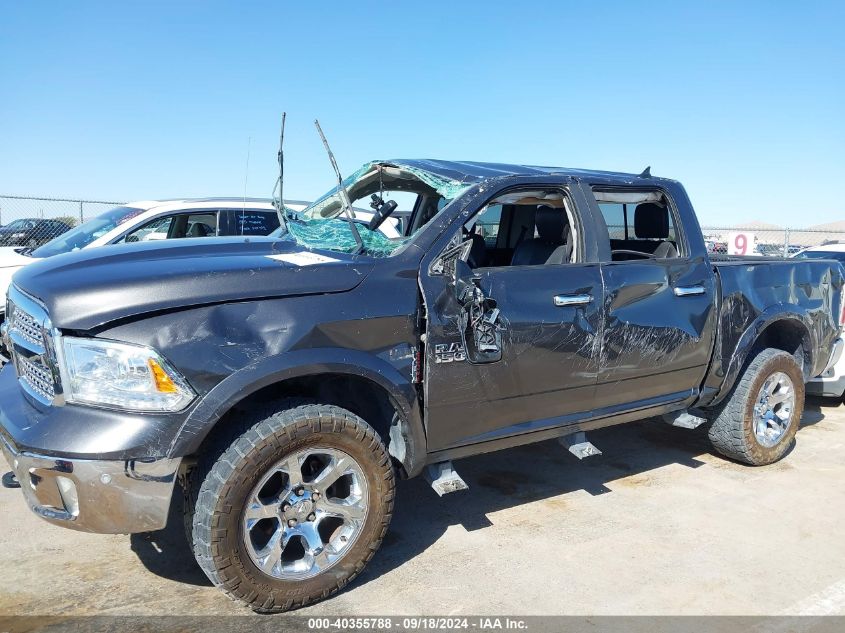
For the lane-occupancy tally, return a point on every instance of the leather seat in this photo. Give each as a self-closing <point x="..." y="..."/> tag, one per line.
<point x="554" y="244"/>
<point x="651" y="222"/>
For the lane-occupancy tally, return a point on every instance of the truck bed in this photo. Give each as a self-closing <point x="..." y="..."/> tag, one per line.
<point x="753" y="287"/>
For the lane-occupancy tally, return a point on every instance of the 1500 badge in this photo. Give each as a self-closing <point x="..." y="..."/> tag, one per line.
<point x="449" y="352"/>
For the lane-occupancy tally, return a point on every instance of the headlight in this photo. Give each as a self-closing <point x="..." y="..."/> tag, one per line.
<point x="121" y="375"/>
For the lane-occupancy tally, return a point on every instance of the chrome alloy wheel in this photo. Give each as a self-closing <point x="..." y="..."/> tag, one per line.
<point x="773" y="409"/>
<point x="305" y="513"/>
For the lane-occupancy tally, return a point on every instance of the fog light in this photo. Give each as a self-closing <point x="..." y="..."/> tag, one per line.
<point x="67" y="490"/>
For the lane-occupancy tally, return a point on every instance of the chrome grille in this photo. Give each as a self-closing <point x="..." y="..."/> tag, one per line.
<point x="27" y="326"/>
<point x="37" y="377"/>
<point x="30" y="342"/>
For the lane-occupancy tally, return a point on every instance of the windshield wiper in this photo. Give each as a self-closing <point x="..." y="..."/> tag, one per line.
<point x="344" y="196"/>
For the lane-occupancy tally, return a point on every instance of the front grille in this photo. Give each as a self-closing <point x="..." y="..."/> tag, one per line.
<point x="29" y="341"/>
<point x="37" y="377"/>
<point x="27" y="326"/>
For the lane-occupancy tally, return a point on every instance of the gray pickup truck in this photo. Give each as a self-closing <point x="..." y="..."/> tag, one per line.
<point x="286" y="381"/>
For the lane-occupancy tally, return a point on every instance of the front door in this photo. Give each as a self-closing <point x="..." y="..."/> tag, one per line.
<point x="549" y="320"/>
<point x="535" y="365"/>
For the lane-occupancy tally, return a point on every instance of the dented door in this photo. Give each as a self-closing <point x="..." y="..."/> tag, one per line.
<point x="658" y="333"/>
<point x="548" y="325"/>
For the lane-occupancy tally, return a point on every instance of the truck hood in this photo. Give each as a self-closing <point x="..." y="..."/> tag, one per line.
<point x="89" y="288"/>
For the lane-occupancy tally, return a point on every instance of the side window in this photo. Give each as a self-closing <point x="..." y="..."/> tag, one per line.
<point x="153" y="230"/>
<point x="487" y="224"/>
<point x="253" y="222"/>
<point x="523" y="228"/>
<point x="174" y="226"/>
<point x="615" y="218"/>
<point x="640" y="224"/>
<point x="196" y="225"/>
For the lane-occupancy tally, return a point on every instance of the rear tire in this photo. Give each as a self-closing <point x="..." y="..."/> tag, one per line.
<point x="756" y="424"/>
<point x="317" y="482"/>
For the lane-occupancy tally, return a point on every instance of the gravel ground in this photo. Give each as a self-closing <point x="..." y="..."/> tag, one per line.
<point x="656" y="525"/>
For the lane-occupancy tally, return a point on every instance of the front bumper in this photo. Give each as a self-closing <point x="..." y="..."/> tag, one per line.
<point x="831" y="382"/>
<point x="105" y="496"/>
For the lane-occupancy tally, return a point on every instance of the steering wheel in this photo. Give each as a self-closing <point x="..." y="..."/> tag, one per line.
<point x="625" y="251"/>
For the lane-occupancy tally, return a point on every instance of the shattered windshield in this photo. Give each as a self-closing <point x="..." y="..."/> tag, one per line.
<point x="418" y="195"/>
<point x="335" y="234"/>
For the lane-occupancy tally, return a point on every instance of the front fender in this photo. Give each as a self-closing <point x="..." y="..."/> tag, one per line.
<point x="295" y="364"/>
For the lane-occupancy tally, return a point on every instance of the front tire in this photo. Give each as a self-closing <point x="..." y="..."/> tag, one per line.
<point x="757" y="423"/>
<point x="294" y="508"/>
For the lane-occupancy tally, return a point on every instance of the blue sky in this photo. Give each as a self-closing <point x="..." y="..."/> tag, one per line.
<point x="742" y="102"/>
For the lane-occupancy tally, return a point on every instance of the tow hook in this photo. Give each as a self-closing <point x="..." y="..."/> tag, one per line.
<point x="10" y="481"/>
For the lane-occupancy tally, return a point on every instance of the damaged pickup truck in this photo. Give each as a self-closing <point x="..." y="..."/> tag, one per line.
<point x="285" y="382"/>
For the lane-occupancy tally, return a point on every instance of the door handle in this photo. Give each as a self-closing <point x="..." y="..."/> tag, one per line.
<point x="688" y="291"/>
<point x="562" y="301"/>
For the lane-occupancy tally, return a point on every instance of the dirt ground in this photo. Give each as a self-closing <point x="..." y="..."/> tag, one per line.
<point x="656" y="525"/>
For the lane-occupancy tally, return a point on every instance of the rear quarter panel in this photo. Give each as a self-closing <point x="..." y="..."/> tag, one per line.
<point x="754" y="295"/>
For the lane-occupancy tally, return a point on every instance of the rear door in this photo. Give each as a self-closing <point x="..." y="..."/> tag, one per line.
<point x="659" y="314"/>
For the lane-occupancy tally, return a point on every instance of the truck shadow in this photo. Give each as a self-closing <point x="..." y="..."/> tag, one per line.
<point x="522" y="475"/>
<point x="497" y="481"/>
<point x="166" y="552"/>
<point x="813" y="413"/>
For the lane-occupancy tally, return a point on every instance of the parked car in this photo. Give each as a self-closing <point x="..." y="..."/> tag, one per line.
<point x="151" y="219"/>
<point x="287" y="381"/>
<point x="31" y="232"/>
<point x="834" y="250"/>
<point x="831" y="382"/>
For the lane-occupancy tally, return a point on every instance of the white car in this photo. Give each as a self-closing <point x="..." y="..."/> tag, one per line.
<point x="164" y="219"/>
<point x="152" y="219"/>
<point x="832" y="381"/>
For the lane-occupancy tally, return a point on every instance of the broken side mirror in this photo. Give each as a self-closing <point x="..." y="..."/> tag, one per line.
<point x="479" y="319"/>
<point x="444" y="264"/>
<point x="466" y="290"/>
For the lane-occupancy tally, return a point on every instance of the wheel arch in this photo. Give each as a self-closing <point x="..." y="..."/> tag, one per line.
<point x="373" y="388"/>
<point x="776" y="329"/>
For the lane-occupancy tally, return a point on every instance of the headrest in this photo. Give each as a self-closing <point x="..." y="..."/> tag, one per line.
<point x="198" y="229"/>
<point x="651" y="221"/>
<point x="551" y="224"/>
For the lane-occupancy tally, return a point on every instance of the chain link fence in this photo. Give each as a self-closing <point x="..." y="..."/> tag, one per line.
<point x="767" y="241"/>
<point x="761" y="240"/>
<point x="30" y="222"/>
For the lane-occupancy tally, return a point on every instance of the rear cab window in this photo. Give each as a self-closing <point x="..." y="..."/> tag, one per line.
<point x="641" y="224"/>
